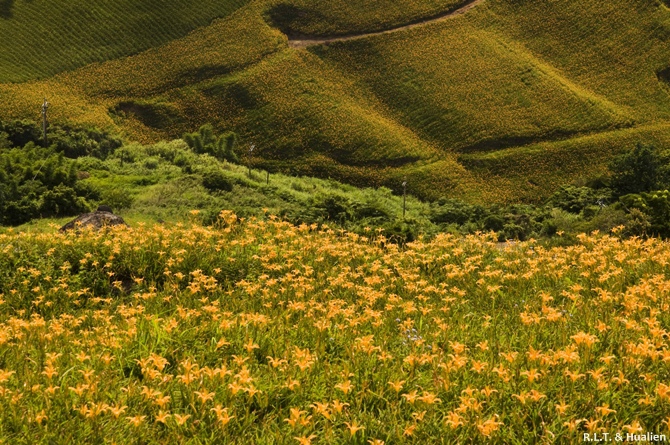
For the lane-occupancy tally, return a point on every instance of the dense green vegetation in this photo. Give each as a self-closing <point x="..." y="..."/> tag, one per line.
<point x="168" y="179"/>
<point x="221" y="147"/>
<point x="37" y="182"/>
<point x="165" y="181"/>
<point x="43" y="182"/>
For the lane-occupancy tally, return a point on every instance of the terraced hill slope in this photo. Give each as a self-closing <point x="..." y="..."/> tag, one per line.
<point x="42" y="38"/>
<point x="503" y="102"/>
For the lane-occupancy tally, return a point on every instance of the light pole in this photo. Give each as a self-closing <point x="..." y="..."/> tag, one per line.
<point x="45" y="107"/>
<point x="404" y="197"/>
<point x="251" y="151"/>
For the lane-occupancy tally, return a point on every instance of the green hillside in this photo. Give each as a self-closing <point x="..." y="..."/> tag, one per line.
<point x="42" y="38"/>
<point x="469" y="89"/>
<point x="505" y="101"/>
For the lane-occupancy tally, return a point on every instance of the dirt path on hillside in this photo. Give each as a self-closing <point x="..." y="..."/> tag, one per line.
<point x="304" y="42"/>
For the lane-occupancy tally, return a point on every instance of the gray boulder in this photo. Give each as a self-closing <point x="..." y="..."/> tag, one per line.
<point x="102" y="217"/>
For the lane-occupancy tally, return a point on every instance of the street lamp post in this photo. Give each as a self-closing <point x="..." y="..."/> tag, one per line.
<point x="404" y="198"/>
<point x="45" y="107"/>
<point x="251" y="152"/>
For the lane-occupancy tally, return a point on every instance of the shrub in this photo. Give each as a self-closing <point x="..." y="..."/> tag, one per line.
<point x="656" y="205"/>
<point x="332" y="207"/>
<point x="151" y="163"/>
<point x="88" y="163"/>
<point x="73" y="142"/>
<point x="205" y="141"/>
<point x="607" y="219"/>
<point x="512" y="231"/>
<point x="449" y="211"/>
<point x="401" y="232"/>
<point x="61" y="201"/>
<point x="643" y="169"/>
<point x="576" y="199"/>
<point x="19" y="133"/>
<point x="19" y="212"/>
<point x="76" y="142"/>
<point x="117" y="198"/>
<point x="216" y="180"/>
<point x="168" y="150"/>
<point x="371" y="208"/>
<point x="590" y="211"/>
<point x="4" y="140"/>
<point x="494" y="222"/>
<point x="638" y="223"/>
<point x="127" y="154"/>
<point x="38" y="181"/>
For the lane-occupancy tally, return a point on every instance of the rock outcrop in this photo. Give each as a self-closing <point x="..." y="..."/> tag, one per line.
<point x="102" y="217"/>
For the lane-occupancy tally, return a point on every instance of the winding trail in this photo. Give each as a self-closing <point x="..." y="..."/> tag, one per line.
<point x="305" y="41"/>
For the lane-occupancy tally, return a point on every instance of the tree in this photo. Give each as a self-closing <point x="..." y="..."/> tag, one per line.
<point x="204" y="141"/>
<point x="225" y="147"/>
<point x="576" y="199"/>
<point x="655" y="205"/>
<point x="644" y="169"/>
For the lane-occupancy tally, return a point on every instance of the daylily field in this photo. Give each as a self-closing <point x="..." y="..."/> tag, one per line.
<point x="258" y="331"/>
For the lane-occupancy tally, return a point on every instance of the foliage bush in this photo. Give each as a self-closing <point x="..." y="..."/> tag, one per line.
<point x="655" y="205"/>
<point x="638" y="223"/>
<point x="216" y="180"/>
<point x="452" y="211"/>
<point x="38" y="182"/>
<point x="20" y="132"/>
<point x="221" y="147"/>
<point x="575" y="199"/>
<point x="61" y="200"/>
<point x="76" y="142"/>
<point x="117" y="198"/>
<point x="186" y="176"/>
<point x="331" y="207"/>
<point x="73" y="142"/>
<point x="643" y="169"/>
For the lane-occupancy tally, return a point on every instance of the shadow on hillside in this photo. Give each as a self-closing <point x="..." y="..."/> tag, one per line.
<point x="6" y="8"/>
<point x="505" y="142"/>
<point x="664" y="76"/>
<point x="158" y="116"/>
<point x="288" y="19"/>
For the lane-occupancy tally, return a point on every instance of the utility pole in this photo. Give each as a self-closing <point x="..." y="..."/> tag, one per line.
<point x="251" y="152"/>
<point x="404" y="197"/>
<point x="45" y="107"/>
<point x="267" y="181"/>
